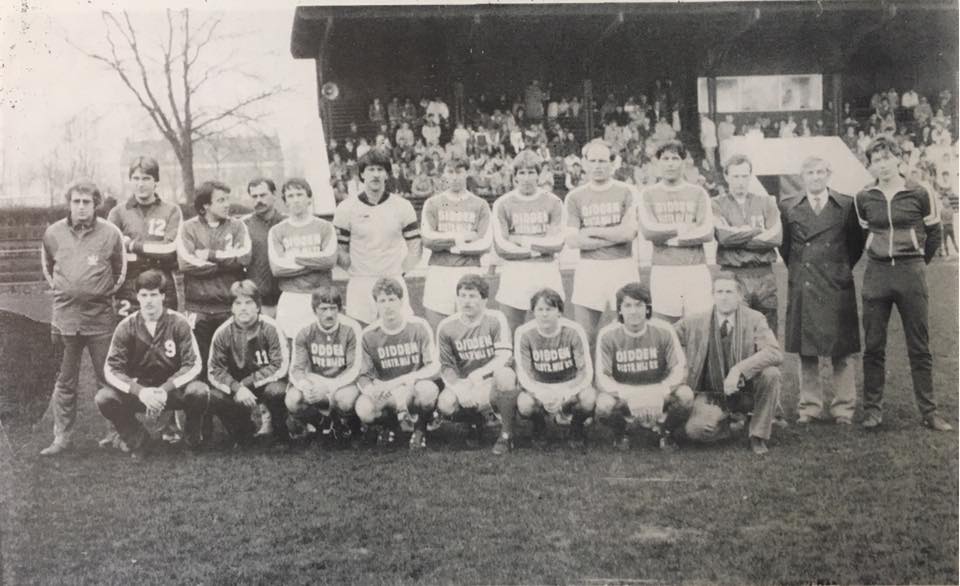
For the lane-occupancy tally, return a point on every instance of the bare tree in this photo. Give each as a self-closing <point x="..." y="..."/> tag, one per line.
<point x="168" y="81"/>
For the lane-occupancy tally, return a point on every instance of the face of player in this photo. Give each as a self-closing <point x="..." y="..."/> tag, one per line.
<point x="547" y="316"/>
<point x="634" y="313"/>
<point x="263" y="198"/>
<point x="671" y="166"/>
<point x="327" y="315"/>
<point x="738" y="178"/>
<point x="597" y="163"/>
<point x="471" y="303"/>
<point x="219" y="208"/>
<point x="142" y="185"/>
<point x="151" y="303"/>
<point x="374" y="180"/>
<point x="245" y="310"/>
<point x="816" y="177"/>
<point x="884" y="165"/>
<point x="389" y="309"/>
<point x="526" y="180"/>
<point x="81" y="207"/>
<point x="298" y="202"/>
<point x="726" y="295"/>
<point x="455" y="178"/>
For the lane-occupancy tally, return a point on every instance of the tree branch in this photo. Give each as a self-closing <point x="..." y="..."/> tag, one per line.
<point x="237" y="107"/>
<point x="167" y="65"/>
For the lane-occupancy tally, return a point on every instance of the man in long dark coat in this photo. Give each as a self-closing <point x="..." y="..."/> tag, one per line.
<point x="822" y="241"/>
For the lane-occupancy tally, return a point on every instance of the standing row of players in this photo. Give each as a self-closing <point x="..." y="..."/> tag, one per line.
<point x="377" y="234"/>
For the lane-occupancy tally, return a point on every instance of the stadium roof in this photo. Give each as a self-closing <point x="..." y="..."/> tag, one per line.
<point x="311" y="22"/>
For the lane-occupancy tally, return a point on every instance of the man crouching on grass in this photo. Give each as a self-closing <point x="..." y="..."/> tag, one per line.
<point x="475" y="350"/>
<point x="325" y="364"/>
<point x="399" y="368"/>
<point x="152" y="366"/>
<point x="641" y="371"/>
<point x="248" y="362"/>
<point x="733" y="362"/>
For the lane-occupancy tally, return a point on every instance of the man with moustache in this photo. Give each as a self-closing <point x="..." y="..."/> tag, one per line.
<point x="262" y="191"/>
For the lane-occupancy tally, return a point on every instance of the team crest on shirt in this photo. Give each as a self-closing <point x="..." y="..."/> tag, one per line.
<point x="93" y="259"/>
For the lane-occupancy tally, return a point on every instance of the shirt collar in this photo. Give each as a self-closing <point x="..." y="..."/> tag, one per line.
<point x="366" y="199"/>
<point x="132" y="202"/>
<point x="82" y="226"/>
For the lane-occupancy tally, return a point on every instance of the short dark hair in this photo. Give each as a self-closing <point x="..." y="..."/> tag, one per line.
<point x="151" y="280"/>
<point x="87" y="187"/>
<point x="672" y="146"/>
<point x="737" y="159"/>
<point x="375" y="157"/>
<point x="260" y="181"/>
<point x="246" y="288"/>
<point x="882" y="144"/>
<point x="204" y="194"/>
<point x="635" y="291"/>
<point x="474" y="282"/>
<point x="549" y="296"/>
<point x="387" y="286"/>
<point x="726" y="276"/>
<point x="296" y="182"/>
<point x="326" y="294"/>
<point x="146" y="165"/>
<point x="455" y="163"/>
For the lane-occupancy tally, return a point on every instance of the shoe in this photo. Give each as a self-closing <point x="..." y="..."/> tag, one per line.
<point x="667" y="444"/>
<point x="871" y="421"/>
<point x="418" y="441"/>
<point x="622" y="443"/>
<point x="55" y="449"/>
<point x="781" y="422"/>
<point x="387" y="437"/>
<point x="435" y="423"/>
<point x="758" y="446"/>
<point x="936" y="423"/>
<point x="504" y="444"/>
<point x="737" y="423"/>
<point x="577" y="440"/>
<point x="562" y="418"/>
<point x="843" y="421"/>
<point x="406" y="421"/>
<point x="266" y="423"/>
<point x="805" y="419"/>
<point x="109" y="440"/>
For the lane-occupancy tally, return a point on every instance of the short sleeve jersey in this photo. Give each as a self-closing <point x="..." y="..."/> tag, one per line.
<point x="590" y="207"/>
<point x="387" y="355"/>
<point x="552" y="359"/>
<point x="534" y="216"/>
<point x="444" y="213"/>
<point x="376" y="234"/>
<point x="637" y="359"/>
<point x="466" y="347"/>
<point x="326" y="353"/>
<point x="317" y="237"/>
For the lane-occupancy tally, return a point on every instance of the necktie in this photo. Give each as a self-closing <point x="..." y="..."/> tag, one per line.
<point x="817" y="203"/>
<point x="725" y="328"/>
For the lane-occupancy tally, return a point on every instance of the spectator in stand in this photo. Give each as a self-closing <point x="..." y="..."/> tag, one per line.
<point x="438" y="110"/>
<point x="848" y="120"/>
<point x="804" y="129"/>
<point x="946" y="221"/>
<point x="893" y="99"/>
<point x="863" y="141"/>
<point x="533" y="101"/>
<point x="394" y="112"/>
<point x="608" y="109"/>
<point x="850" y="138"/>
<point x="353" y="133"/>
<point x="409" y="112"/>
<point x="376" y="112"/>
<point x="431" y="132"/>
<point x="350" y="150"/>
<point x="910" y="99"/>
<point x="397" y="183"/>
<point x="404" y="137"/>
<point x="362" y="148"/>
<point x="421" y="185"/>
<point x="923" y="112"/>
<point x="725" y="131"/>
<point x="340" y="191"/>
<point x="575" y="107"/>
<point x="708" y="139"/>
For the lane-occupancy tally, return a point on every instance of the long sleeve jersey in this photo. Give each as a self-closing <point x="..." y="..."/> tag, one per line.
<point x="390" y="354"/>
<point x="167" y="358"/>
<point x="152" y="231"/>
<point x="333" y="355"/>
<point x="302" y="254"/>
<point x="206" y="282"/>
<point x="742" y="248"/>
<point x="251" y="357"/>
<point x="464" y="346"/>
<point x="445" y="215"/>
<point x="906" y="225"/>
<point x="537" y="220"/>
<point x="651" y="356"/>
<point x="677" y="220"/>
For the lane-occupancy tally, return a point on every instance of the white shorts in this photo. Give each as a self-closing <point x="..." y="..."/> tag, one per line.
<point x="519" y="280"/>
<point x="471" y="396"/>
<point x="645" y="403"/>
<point x="440" y="287"/>
<point x="294" y="312"/>
<point x="554" y="399"/>
<point x="398" y="399"/>
<point x="678" y="291"/>
<point x="360" y="303"/>
<point x="595" y="282"/>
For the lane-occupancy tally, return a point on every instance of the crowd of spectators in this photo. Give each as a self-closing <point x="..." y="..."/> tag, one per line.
<point x="420" y="135"/>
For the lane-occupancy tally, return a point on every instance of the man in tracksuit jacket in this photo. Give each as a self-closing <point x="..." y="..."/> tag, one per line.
<point x="248" y="362"/>
<point x="149" y="226"/>
<point x="212" y="251"/>
<point x="82" y="260"/>
<point x="903" y="235"/>
<point x="153" y="367"/>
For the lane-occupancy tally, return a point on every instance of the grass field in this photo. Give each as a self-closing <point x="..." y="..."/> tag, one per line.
<point x="829" y="504"/>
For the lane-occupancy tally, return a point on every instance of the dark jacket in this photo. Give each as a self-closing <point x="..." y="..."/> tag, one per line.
<point x="907" y="226"/>
<point x="820" y="252"/>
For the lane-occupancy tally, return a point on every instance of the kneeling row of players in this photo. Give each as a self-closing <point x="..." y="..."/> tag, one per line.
<point x="395" y="375"/>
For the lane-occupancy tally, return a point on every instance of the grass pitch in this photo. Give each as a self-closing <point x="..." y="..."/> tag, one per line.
<point x="829" y="504"/>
